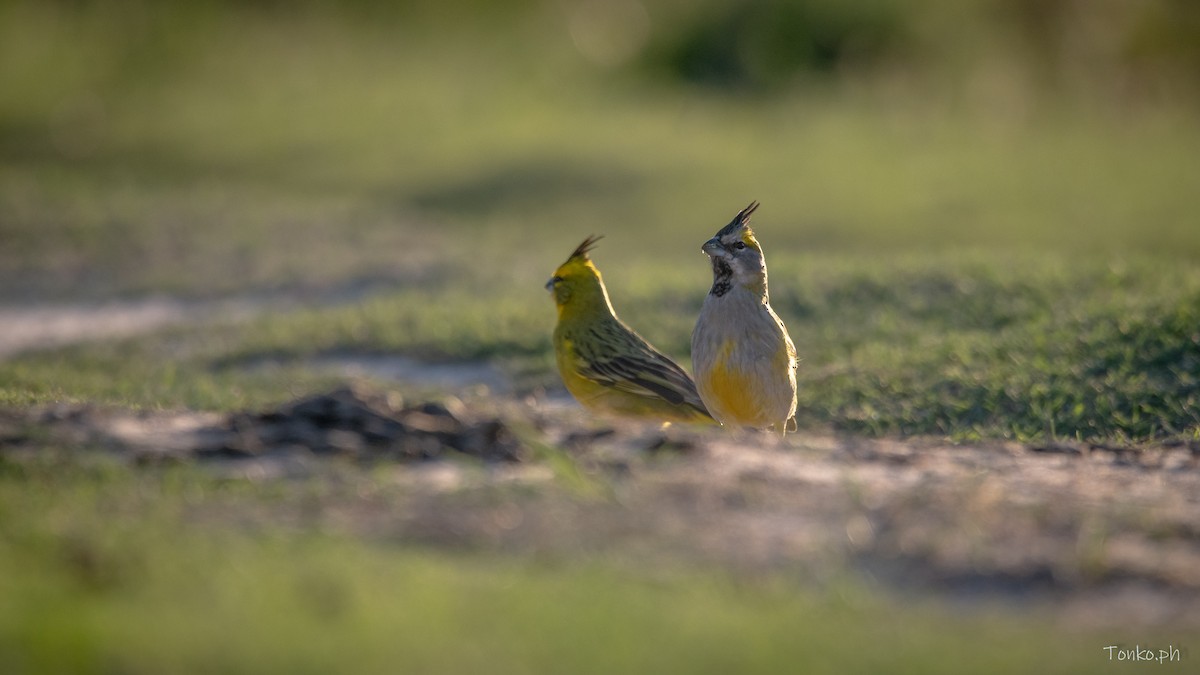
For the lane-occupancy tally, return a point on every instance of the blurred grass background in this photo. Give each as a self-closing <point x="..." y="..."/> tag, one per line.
<point x="980" y="217"/>
<point x="240" y="145"/>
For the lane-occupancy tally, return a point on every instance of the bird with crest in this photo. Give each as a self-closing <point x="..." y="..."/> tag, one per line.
<point x="607" y="366"/>
<point x="743" y="358"/>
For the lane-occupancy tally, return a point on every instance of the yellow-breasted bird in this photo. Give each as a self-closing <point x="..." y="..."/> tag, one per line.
<point x="606" y="366"/>
<point x="743" y="357"/>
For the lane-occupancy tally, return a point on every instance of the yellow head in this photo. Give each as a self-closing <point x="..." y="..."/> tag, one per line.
<point x="577" y="286"/>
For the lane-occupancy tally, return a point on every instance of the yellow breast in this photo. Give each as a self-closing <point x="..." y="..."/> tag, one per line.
<point x="731" y="390"/>
<point x="584" y="390"/>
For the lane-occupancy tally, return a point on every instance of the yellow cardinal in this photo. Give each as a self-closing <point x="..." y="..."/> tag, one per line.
<point x="606" y="366"/>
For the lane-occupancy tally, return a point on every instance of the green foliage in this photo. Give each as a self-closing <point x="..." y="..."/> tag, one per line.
<point x="1103" y="48"/>
<point x="770" y="42"/>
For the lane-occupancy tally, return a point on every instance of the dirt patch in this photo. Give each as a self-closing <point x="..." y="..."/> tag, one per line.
<point x="352" y="422"/>
<point x="365" y="425"/>
<point x="1100" y="534"/>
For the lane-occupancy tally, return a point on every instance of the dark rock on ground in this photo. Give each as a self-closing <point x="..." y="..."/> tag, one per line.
<point x="352" y="422"/>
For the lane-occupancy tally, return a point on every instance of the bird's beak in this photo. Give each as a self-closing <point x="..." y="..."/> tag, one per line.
<point x="550" y="284"/>
<point x="713" y="247"/>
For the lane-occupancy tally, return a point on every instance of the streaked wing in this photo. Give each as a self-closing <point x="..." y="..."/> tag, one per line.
<point x="633" y="366"/>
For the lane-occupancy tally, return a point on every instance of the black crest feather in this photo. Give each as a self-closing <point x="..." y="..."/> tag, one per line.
<point x="587" y="245"/>
<point x="739" y="220"/>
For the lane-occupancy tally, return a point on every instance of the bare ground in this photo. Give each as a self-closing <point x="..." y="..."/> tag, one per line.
<point x="1099" y="535"/>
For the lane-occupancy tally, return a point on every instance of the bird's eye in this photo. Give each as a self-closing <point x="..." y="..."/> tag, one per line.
<point x="739" y="246"/>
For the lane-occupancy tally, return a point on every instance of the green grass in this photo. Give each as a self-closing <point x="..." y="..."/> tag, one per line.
<point x="142" y="571"/>
<point x="1038" y="348"/>
<point x="955" y="251"/>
